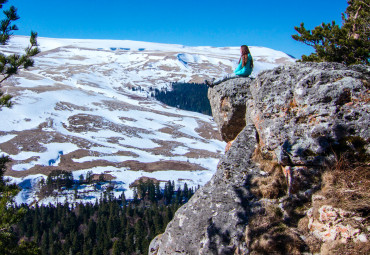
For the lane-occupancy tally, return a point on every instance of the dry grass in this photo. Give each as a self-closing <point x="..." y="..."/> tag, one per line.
<point x="144" y="179"/>
<point x="274" y="184"/>
<point x="347" y="185"/>
<point x="163" y="165"/>
<point x="348" y="249"/>
<point x="267" y="234"/>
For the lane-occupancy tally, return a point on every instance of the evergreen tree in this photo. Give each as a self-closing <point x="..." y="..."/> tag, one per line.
<point x="9" y="65"/>
<point x="348" y="44"/>
<point x="186" y="192"/>
<point x="116" y="248"/>
<point x="123" y="198"/>
<point x="110" y="227"/>
<point x="9" y="215"/>
<point x="186" y="96"/>
<point x="6" y="24"/>
<point x="81" y="179"/>
<point x="89" y="177"/>
<point x="158" y="192"/>
<point x="357" y="19"/>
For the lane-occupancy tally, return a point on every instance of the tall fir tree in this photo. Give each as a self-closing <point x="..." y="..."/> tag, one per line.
<point x="348" y="44"/>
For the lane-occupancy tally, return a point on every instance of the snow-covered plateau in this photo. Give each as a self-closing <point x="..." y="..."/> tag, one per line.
<point x="76" y="110"/>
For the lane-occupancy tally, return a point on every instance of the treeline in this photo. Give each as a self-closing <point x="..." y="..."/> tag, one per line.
<point x="186" y="96"/>
<point x="152" y="192"/>
<point x="110" y="226"/>
<point x="59" y="180"/>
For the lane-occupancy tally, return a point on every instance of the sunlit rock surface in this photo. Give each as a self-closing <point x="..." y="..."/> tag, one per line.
<point x="296" y="117"/>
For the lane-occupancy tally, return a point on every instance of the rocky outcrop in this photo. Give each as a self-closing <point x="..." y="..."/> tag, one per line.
<point x="335" y="224"/>
<point x="213" y="221"/>
<point x="301" y="111"/>
<point x="287" y="125"/>
<point x="228" y="102"/>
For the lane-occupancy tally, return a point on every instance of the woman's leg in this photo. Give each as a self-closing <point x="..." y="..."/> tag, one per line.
<point x="225" y="78"/>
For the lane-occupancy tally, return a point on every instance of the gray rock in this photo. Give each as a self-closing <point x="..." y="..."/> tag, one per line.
<point x="213" y="221"/>
<point x="292" y="118"/>
<point x="228" y="103"/>
<point x="302" y="111"/>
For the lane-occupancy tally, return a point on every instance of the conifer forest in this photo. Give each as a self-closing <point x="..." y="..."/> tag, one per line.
<point x="186" y="96"/>
<point x="110" y="226"/>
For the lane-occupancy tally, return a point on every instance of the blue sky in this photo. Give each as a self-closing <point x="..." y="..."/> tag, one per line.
<point x="268" y="23"/>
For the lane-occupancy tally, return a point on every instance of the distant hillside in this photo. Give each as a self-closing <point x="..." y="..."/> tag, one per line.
<point x="76" y="110"/>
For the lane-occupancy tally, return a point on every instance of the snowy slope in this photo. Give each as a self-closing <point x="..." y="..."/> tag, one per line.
<point x="76" y="110"/>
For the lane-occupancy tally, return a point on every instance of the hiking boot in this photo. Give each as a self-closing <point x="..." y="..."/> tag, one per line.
<point x="209" y="83"/>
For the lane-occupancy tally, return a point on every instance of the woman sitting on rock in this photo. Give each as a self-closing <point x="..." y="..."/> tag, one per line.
<point x="244" y="68"/>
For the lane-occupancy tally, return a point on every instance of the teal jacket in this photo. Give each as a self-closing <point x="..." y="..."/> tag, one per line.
<point x="246" y="70"/>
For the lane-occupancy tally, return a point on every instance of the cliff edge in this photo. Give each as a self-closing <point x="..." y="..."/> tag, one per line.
<point x="296" y="176"/>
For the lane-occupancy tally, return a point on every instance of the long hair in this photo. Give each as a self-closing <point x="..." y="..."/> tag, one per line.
<point x="244" y="55"/>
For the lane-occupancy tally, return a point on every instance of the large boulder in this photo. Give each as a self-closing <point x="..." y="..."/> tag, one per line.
<point x="228" y="103"/>
<point x="297" y="117"/>
<point x="303" y="111"/>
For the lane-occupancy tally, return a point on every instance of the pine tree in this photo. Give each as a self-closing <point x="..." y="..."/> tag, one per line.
<point x="44" y="243"/>
<point x="9" y="65"/>
<point x="89" y="177"/>
<point x="6" y="24"/>
<point x="358" y="19"/>
<point x="116" y="248"/>
<point x="81" y="179"/>
<point x="9" y="215"/>
<point x="348" y="44"/>
<point x="158" y="192"/>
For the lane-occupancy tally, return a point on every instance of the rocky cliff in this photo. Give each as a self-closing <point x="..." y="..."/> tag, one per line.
<point x="296" y="177"/>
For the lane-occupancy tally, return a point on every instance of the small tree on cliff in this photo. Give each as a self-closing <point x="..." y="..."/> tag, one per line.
<point x="347" y="44"/>
<point x="10" y="64"/>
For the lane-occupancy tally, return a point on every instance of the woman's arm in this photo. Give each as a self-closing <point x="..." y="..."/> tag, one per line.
<point x="239" y="67"/>
<point x="246" y="70"/>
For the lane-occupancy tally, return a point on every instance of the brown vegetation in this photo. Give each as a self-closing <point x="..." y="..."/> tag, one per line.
<point x="344" y="185"/>
<point x="347" y="185"/>
<point x="274" y="184"/>
<point x="161" y="166"/>
<point x="268" y="234"/>
<point x="144" y="179"/>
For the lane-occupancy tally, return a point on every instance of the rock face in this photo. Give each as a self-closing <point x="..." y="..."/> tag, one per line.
<point x="228" y="101"/>
<point x="300" y="111"/>
<point x="286" y="125"/>
<point x="332" y="224"/>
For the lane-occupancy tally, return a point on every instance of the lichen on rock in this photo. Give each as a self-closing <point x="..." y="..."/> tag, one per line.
<point x="286" y="127"/>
